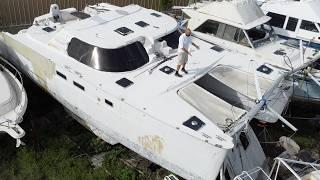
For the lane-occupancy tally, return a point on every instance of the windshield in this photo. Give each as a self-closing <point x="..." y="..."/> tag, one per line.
<point x="172" y="39"/>
<point x="122" y="59"/>
<point x="260" y="35"/>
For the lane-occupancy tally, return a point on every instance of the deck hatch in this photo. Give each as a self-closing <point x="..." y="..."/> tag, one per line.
<point x="80" y="15"/>
<point x="78" y="85"/>
<point x="61" y="75"/>
<point x="48" y="29"/>
<point x="167" y="70"/>
<point x="264" y="69"/>
<point x="194" y="123"/>
<point x="142" y="24"/>
<point x="124" y="31"/>
<point x="124" y="82"/>
<point x="217" y="48"/>
<point x="155" y="14"/>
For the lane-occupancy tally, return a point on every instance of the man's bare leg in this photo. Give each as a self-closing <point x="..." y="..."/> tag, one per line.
<point x="177" y="70"/>
<point x="183" y="68"/>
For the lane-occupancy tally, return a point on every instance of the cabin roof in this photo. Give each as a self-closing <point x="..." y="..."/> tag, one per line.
<point x="242" y="14"/>
<point x="310" y="8"/>
<point x="111" y="29"/>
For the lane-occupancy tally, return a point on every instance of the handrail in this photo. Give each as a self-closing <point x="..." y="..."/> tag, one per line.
<point x="17" y="74"/>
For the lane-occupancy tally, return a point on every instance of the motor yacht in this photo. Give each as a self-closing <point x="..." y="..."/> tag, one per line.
<point x="241" y="27"/>
<point x="287" y="23"/>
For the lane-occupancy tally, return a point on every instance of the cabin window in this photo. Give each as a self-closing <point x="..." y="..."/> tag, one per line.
<point x="61" y="75"/>
<point x="229" y="33"/>
<point x="78" y="85"/>
<point x="209" y="27"/>
<point x="260" y="34"/>
<point x="122" y="59"/>
<point x="244" y="140"/>
<point x="172" y="39"/>
<point x="108" y="102"/>
<point x="309" y="26"/>
<point x="277" y="20"/>
<point x="292" y="24"/>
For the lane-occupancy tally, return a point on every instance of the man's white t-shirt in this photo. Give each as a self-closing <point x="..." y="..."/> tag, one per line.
<point x="184" y="42"/>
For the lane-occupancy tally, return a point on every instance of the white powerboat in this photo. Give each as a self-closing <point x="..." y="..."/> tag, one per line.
<point x="242" y="27"/>
<point x="113" y="71"/>
<point x="287" y="23"/>
<point x="13" y="101"/>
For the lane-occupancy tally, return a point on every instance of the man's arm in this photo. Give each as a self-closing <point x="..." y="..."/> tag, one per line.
<point x="185" y="50"/>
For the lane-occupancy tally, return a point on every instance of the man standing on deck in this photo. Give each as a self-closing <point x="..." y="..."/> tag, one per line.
<point x="183" y="51"/>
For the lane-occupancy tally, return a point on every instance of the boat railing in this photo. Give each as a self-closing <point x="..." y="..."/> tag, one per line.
<point x="7" y="65"/>
<point x="256" y="172"/>
<point x="291" y="169"/>
<point x="297" y="168"/>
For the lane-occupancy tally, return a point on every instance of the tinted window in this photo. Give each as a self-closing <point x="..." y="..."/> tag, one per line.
<point x="229" y="33"/>
<point x="222" y="91"/>
<point x="172" y="39"/>
<point x="309" y="26"/>
<point x="209" y="27"/>
<point x="292" y="24"/>
<point x="277" y="20"/>
<point x="123" y="59"/>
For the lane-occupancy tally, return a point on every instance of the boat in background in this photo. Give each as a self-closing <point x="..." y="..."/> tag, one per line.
<point x="242" y="28"/>
<point x="13" y="100"/>
<point x="289" y="24"/>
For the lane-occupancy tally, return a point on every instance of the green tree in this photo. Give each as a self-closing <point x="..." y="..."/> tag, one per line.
<point x="165" y="5"/>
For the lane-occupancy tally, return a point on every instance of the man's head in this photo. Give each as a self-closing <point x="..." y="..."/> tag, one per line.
<point x="188" y="32"/>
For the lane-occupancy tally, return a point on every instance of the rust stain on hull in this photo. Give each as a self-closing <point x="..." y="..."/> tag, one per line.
<point x="153" y="143"/>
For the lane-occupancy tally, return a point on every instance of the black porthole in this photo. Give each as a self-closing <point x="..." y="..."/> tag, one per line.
<point x="167" y="70"/>
<point x="194" y="123"/>
<point x="78" y="85"/>
<point x="265" y="69"/>
<point x="108" y="102"/>
<point x="61" y="75"/>
<point x="124" y="82"/>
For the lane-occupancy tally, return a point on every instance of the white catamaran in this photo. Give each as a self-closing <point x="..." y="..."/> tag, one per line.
<point x="112" y="69"/>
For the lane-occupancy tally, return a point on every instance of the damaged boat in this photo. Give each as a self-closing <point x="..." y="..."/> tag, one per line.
<point x="289" y="24"/>
<point x="112" y="69"/>
<point x="13" y="101"/>
<point x="242" y="28"/>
